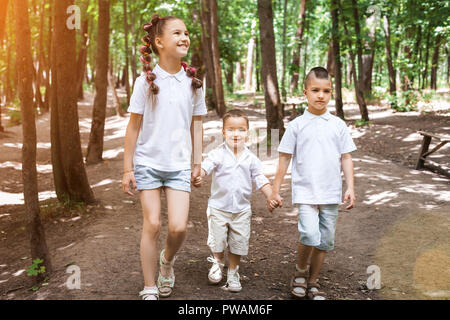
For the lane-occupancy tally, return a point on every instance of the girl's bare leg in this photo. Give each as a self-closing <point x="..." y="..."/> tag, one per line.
<point x="151" y="208"/>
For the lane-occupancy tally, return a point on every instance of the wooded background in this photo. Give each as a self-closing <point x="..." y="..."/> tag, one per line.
<point x="394" y="50"/>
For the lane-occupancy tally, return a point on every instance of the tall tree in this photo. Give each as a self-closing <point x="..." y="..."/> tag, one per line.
<point x="250" y="55"/>
<point x="69" y="172"/>
<point x="25" y="71"/>
<point x="82" y="56"/>
<point x="295" y="63"/>
<point x="283" y="70"/>
<point x="434" y="62"/>
<point x="389" y="61"/>
<point x="210" y="92"/>
<point x="274" y="111"/>
<point x="337" y="59"/>
<point x="209" y="13"/>
<point x="95" y="146"/>
<point x="127" y="67"/>
<point x="369" y="54"/>
<point x="3" y="12"/>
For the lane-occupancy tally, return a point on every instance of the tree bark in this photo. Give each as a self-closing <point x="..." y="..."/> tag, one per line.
<point x="435" y="62"/>
<point x="210" y="94"/>
<point x="295" y="63"/>
<point x="249" y="63"/>
<point x="274" y="112"/>
<point x="427" y="52"/>
<point x="368" y="58"/>
<point x="111" y="83"/>
<point x="3" y="12"/>
<point x="210" y="33"/>
<point x="258" y="65"/>
<point x="82" y="57"/>
<point x="238" y="73"/>
<point x="359" y="95"/>
<point x="127" y="67"/>
<point x="390" y="65"/>
<point x="69" y="172"/>
<point x="283" y="70"/>
<point x="133" y="48"/>
<point x="337" y="60"/>
<point x="95" y="146"/>
<point x="38" y="243"/>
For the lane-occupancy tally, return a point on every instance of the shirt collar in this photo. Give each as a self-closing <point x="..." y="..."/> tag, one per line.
<point x="161" y="73"/>
<point x="325" y="116"/>
<point x="243" y="154"/>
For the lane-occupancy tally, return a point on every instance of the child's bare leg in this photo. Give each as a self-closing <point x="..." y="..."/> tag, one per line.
<point x="304" y="253"/>
<point x="151" y="208"/>
<point x="178" y="211"/>
<point x="317" y="258"/>
<point x="233" y="260"/>
<point x="220" y="256"/>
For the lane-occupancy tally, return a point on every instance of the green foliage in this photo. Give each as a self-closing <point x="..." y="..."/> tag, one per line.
<point x="405" y="101"/>
<point x="35" y="269"/>
<point x="362" y="123"/>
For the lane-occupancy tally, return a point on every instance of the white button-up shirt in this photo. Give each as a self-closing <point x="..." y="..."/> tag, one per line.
<point x="316" y="143"/>
<point x="164" y="141"/>
<point x="232" y="178"/>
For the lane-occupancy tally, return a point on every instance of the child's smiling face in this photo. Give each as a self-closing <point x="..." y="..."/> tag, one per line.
<point x="235" y="132"/>
<point x="174" y="39"/>
<point x="318" y="93"/>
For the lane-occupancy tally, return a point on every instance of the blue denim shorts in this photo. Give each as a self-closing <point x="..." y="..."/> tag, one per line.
<point x="317" y="225"/>
<point x="149" y="178"/>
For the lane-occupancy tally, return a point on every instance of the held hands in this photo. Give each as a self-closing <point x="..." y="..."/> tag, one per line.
<point x="127" y="178"/>
<point x="197" y="176"/>
<point x="274" y="201"/>
<point x="350" y="197"/>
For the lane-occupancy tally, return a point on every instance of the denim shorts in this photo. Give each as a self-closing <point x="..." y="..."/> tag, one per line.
<point x="317" y="225"/>
<point x="149" y="178"/>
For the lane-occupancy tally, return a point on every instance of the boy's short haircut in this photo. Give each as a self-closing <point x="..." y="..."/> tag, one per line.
<point x="319" y="73"/>
<point x="235" y="113"/>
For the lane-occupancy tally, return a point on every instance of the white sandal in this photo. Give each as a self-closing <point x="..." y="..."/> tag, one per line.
<point x="147" y="294"/>
<point x="215" y="274"/>
<point x="165" y="285"/>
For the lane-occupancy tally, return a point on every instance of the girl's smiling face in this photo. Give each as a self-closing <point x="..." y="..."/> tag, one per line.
<point x="174" y="40"/>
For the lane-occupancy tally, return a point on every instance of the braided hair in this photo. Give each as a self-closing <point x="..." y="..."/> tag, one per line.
<point x="155" y="28"/>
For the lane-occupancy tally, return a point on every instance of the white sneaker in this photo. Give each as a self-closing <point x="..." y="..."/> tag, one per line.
<point x="216" y="272"/>
<point x="233" y="280"/>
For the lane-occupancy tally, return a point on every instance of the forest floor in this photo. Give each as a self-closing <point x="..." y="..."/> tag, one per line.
<point x="400" y="224"/>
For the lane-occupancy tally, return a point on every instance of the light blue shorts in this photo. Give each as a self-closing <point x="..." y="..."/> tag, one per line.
<point x="149" y="178"/>
<point x="317" y="225"/>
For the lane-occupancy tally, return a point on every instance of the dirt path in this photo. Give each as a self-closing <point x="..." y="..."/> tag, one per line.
<point x="401" y="223"/>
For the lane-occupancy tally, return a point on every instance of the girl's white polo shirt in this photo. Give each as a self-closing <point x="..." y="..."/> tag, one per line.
<point x="316" y="143"/>
<point x="164" y="141"/>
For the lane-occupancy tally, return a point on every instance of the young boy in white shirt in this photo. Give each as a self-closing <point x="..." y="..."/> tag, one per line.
<point x="319" y="144"/>
<point x="235" y="168"/>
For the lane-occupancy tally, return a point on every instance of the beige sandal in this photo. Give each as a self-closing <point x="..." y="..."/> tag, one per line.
<point x="165" y="285"/>
<point x="314" y="292"/>
<point x="299" y="283"/>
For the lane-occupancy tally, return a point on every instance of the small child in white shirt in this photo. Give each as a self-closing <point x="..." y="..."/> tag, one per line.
<point x="235" y="168"/>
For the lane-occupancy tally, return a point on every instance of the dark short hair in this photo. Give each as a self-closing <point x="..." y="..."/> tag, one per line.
<point x="235" y="113"/>
<point x="317" y="72"/>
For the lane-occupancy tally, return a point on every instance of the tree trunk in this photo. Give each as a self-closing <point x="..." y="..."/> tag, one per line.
<point x="209" y="12"/>
<point x="368" y="59"/>
<point x="38" y="244"/>
<point x="133" y="48"/>
<point x="210" y="94"/>
<point x="249" y="63"/>
<point x="358" y="41"/>
<point x="3" y="12"/>
<point x="427" y="52"/>
<point x="95" y="146"/>
<point x="330" y="60"/>
<point x="82" y="57"/>
<point x="390" y="65"/>
<point x="359" y="95"/>
<point x="229" y="77"/>
<point x="435" y="62"/>
<point x="69" y="172"/>
<point x="283" y="70"/>
<point x="127" y="67"/>
<point x="238" y="73"/>
<point x="111" y="83"/>
<point x="274" y="112"/>
<point x="295" y="63"/>
<point x="337" y="60"/>
<point x="258" y="65"/>
<point x="197" y="50"/>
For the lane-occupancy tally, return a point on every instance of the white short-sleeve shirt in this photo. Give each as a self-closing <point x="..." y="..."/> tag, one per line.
<point x="233" y="179"/>
<point x="316" y="143"/>
<point x="164" y="141"/>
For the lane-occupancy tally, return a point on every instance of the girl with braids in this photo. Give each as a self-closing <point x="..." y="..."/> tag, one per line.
<point x="165" y="124"/>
